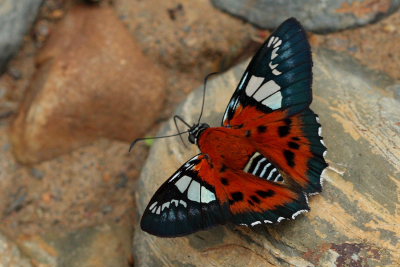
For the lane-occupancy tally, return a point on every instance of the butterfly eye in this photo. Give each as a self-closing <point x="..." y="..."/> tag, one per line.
<point x="192" y="139"/>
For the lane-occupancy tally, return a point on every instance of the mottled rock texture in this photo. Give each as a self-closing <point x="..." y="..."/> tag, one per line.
<point x="102" y="245"/>
<point x="10" y="254"/>
<point x="92" y="81"/>
<point x="16" y="18"/>
<point x="353" y="222"/>
<point x="315" y="15"/>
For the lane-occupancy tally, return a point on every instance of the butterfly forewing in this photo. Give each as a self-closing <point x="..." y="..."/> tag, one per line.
<point x="184" y="204"/>
<point x="278" y="77"/>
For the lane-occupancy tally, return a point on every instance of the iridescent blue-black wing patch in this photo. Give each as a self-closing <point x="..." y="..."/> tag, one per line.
<point x="278" y="77"/>
<point x="184" y="204"/>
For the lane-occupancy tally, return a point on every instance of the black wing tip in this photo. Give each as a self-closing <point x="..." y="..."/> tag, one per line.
<point x="293" y="21"/>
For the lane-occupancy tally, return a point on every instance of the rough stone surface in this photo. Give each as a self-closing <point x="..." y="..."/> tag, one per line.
<point x="354" y="222"/>
<point x="187" y="35"/>
<point x="16" y="17"/>
<point x="10" y="254"/>
<point x="92" y="81"/>
<point x="102" y="245"/>
<point x="315" y="15"/>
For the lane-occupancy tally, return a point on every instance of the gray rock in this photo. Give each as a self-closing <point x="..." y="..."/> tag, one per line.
<point x="10" y="254"/>
<point x="315" y="15"/>
<point x="351" y="223"/>
<point x="16" y="18"/>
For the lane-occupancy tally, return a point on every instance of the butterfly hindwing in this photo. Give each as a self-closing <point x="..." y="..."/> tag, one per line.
<point x="293" y="144"/>
<point x="278" y="77"/>
<point x="253" y="200"/>
<point x="184" y="204"/>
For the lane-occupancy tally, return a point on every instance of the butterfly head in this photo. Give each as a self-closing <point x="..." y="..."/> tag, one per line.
<point x="195" y="131"/>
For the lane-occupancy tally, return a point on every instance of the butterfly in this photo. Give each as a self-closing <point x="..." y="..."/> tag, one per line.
<point x="267" y="156"/>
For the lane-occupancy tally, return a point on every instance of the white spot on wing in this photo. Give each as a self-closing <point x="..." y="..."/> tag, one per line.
<point x="268" y="89"/>
<point x="206" y="195"/>
<point x="175" y="201"/>
<point x="277" y="178"/>
<point x="272" y="66"/>
<point x="270" y="174"/>
<point x="305" y="196"/>
<point x="265" y="169"/>
<point x="271" y="40"/>
<point x="183" y="183"/>
<point x="274" y="54"/>
<point x="165" y="205"/>
<point x="276" y="72"/>
<point x="324" y="154"/>
<point x="153" y="205"/>
<point x="183" y="203"/>
<point x="280" y="219"/>
<point x="258" y="165"/>
<point x="246" y="169"/>
<point x="194" y="191"/>
<point x="274" y="101"/>
<point x="267" y="221"/>
<point x="158" y="210"/>
<point x="255" y="223"/>
<point x="297" y="213"/>
<point x="278" y="43"/>
<point x="253" y="85"/>
<point x="319" y="131"/>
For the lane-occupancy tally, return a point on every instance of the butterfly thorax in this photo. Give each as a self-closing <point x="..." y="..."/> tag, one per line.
<point x="227" y="147"/>
<point x="195" y="131"/>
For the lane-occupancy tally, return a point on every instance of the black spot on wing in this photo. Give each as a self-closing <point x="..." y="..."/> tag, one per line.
<point x="288" y="121"/>
<point x="255" y="199"/>
<point x="236" y="197"/>
<point x="293" y="145"/>
<point x="262" y="129"/>
<point x="289" y="156"/>
<point x="283" y="130"/>
<point x="265" y="194"/>
<point x="223" y="168"/>
<point x="224" y="181"/>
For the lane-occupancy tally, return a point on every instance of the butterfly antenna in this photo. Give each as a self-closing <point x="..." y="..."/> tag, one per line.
<point x="151" y="138"/>
<point x="176" y="125"/>
<point x="204" y="94"/>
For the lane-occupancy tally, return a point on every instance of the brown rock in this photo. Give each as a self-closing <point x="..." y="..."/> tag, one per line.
<point x="92" y="81"/>
<point x="353" y="222"/>
<point x="190" y="36"/>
